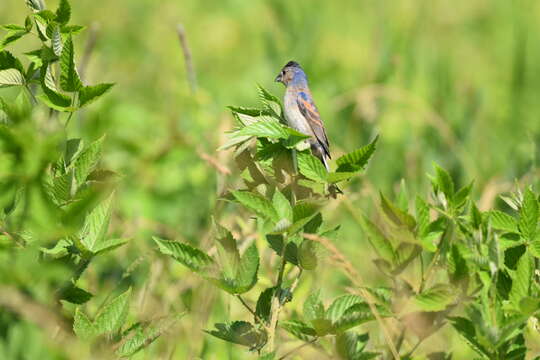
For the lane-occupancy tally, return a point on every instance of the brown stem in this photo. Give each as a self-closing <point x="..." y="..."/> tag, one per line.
<point x="190" y="70"/>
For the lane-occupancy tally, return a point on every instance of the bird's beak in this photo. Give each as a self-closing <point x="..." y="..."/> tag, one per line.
<point x="278" y="78"/>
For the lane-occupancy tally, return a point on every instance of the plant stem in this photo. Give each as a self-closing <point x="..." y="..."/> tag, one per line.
<point x="276" y="304"/>
<point x="248" y="307"/>
<point x="298" y="348"/>
<point x="190" y="70"/>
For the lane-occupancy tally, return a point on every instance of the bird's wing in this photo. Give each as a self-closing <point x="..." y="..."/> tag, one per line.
<point x="310" y="112"/>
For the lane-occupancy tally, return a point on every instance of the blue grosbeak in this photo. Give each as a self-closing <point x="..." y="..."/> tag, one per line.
<point x="301" y="112"/>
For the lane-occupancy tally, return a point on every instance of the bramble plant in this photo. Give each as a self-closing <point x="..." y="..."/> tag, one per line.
<point x="56" y="200"/>
<point x="449" y="263"/>
<point x="444" y="266"/>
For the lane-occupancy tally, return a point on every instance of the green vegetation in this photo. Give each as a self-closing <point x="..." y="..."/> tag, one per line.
<point x="125" y="234"/>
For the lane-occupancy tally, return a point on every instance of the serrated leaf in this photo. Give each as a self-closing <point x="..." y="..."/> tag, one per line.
<point x="63" y="13"/>
<point x="13" y="27"/>
<point x="311" y="167"/>
<point x="82" y="326"/>
<point x="36" y="5"/>
<point x="350" y="346"/>
<point x="460" y="197"/>
<point x="521" y="279"/>
<point x="502" y="221"/>
<point x="69" y="78"/>
<point x="12" y="36"/>
<point x="313" y="307"/>
<point x="185" y="254"/>
<point x="436" y="298"/>
<point x="241" y="333"/>
<point x="113" y="315"/>
<point x="247" y="270"/>
<point x="8" y="61"/>
<point x="422" y="215"/>
<point x="340" y="305"/>
<point x="264" y="304"/>
<point x="298" y="329"/>
<point x="377" y="239"/>
<point x="56" y="41"/>
<point x="466" y="329"/>
<point x="50" y="96"/>
<point x="528" y="215"/>
<point x="89" y="94"/>
<point x="109" y="245"/>
<point x="11" y="77"/>
<point x="227" y="250"/>
<point x="308" y="254"/>
<point x="255" y="202"/>
<point x="96" y="225"/>
<point x="355" y="315"/>
<point x="444" y="182"/>
<point x="265" y="127"/>
<point x="335" y="177"/>
<point x="282" y="206"/>
<point x="395" y="214"/>
<point x="356" y="160"/>
<point x="87" y="160"/>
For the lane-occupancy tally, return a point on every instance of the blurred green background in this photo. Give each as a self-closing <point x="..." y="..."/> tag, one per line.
<point x="452" y="82"/>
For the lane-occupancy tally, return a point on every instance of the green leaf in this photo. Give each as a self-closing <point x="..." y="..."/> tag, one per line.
<point x="444" y="182"/>
<point x="466" y="329"/>
<point x="75" y="295"/>
<point x="12" y="36"/>
<point x="380" y="243"/>
<point x="227" y="250"/>
<point x="396" y="215"/>
<point x="266" y="127"/>
<point x="13" y="27"/>
<point x="247" y="270"/>
<point x="56" y="41"/>
<point x="282" y="206"/>
<point x="109" y="244"/>
<point x="476" y="216"/>
<point x="311" y="167"/>
<point x="260" y="205"/>
<point x="502" y="221"/>
<point x="264" y="304"/>
<point x="308" y="254"/>
<point x="69" y="78"/>
<point x="340" y="305"/>
<point x="335" y="177"/>
<point x="355" y="315"/>
<point x="528" y="215"/>
<point x="63" y="13"/>
<point x="96" y="225"/>
<point x="11" y="77"/>
<point x="422" y="215"/>
<point x="350" y="346"/>
<point x="82" y="326"/>
<point x="298" y="329"/>
<point x="313" y="307"/>
<point x="51" y="97"/>
<point x="459" y="199"/>
<point x="89" y="94"/>
<point x="113" y="315"/>
<point x="521" y="279"/>
<point x="436" y="298"/>
<point x="36" y="5"/>
<point x="356" y="160"/>
<point x="8" y="61"/>
<point x="87" y="161"/>
<point x="185" y="254"/>
<point x="241" y="333"/>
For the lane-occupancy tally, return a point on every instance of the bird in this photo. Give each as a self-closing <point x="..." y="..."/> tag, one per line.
<point x="301" y="112"/>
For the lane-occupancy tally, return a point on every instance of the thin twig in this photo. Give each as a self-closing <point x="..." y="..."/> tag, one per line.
<point x="356" y="279"/>
<point x="276" y="304"/>
<point x="298" y="348"/>
<point x="239" y="297"/>
<point x="191" y="76"/>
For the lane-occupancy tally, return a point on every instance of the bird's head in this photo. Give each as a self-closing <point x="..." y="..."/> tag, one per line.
<point x="290" y="72"/>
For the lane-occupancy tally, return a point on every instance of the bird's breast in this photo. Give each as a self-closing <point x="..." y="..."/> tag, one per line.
<point x="294" y="117"/>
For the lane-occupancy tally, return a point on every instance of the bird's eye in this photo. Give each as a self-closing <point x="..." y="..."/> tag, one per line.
<point x="283" y="72"/>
